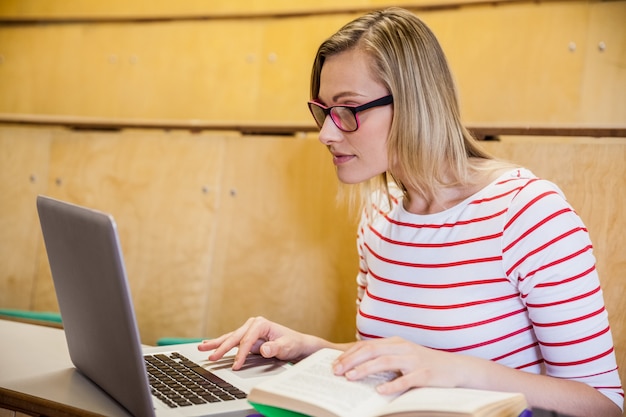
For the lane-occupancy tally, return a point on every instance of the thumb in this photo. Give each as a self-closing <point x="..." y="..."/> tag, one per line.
<point x="268" y="350"/>
<point x="280" y="349"/>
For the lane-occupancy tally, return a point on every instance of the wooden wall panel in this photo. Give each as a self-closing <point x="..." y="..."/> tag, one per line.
<point x="163" y="189"/>
<point x="229" y="71"/>
<point x="219" y="227"/>
<point x="285" y="249"/>
<point x="179" y="70"/>
<point x="248" y="225"/>
<point x="24" y="156"/>
<point x="519" y="63"/>
<point x="168" y="8"/>
<point x="603" y="95"/>
<point x="214" y="227"/>
<point x="287" y="54"/>
<point x="513" y="64"/>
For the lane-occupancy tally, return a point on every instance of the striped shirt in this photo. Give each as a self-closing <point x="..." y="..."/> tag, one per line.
<point x="507" y="275"/>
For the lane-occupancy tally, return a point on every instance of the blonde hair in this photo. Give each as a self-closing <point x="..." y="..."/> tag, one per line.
<point x="428" y="145"/>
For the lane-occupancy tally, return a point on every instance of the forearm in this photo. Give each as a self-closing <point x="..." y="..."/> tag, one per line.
<point x="566" y="396"/>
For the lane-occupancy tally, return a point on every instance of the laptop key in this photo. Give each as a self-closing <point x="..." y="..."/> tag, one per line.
<point x="179" y="382"/>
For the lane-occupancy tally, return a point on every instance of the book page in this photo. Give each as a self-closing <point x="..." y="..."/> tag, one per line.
<point x="312" y="381"/>
<point x="458" y="401"/>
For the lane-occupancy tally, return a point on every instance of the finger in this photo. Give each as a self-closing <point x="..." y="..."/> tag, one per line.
<point x="277" y="349"/>
<point x="374" y="366"/>
<point x="362" y="352"/>
<point x="225" y="346"/>
<point x="225" y="343"/>
<point x="398" y="385"/>
<point x="256" y="334"/>
<point x="211" y="344"/>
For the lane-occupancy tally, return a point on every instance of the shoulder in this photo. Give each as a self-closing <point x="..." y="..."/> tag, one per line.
<point x="524" y="187"/>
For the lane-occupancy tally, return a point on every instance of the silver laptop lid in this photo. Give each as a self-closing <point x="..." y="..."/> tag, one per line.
<point x="94" y="300"/>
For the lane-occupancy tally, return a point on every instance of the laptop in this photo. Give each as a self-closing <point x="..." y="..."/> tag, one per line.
<point x="103" y="340"/>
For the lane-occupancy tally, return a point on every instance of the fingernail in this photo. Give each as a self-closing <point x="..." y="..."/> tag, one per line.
<point x="351" y="374"/>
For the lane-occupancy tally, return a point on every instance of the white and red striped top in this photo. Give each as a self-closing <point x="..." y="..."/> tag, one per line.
<point x="507" y="275"/>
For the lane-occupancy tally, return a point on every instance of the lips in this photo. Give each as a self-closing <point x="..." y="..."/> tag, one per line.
<point x="339" y="159"/>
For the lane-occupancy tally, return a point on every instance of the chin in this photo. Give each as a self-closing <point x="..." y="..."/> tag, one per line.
<point x="352" y="177"/>
<point x="351" y="180"/>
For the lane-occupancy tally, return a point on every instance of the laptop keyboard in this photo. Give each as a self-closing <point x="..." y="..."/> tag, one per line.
<point x="180" y="382"/>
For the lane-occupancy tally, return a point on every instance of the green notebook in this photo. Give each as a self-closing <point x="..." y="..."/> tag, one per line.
<point x="269" y="411"/>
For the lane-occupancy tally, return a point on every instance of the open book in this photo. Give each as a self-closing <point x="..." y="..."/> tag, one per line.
<point x="310" y="388"/>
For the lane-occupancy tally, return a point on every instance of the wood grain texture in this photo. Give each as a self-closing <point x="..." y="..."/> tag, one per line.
<point x="24" y="159"/>
<point x="214" y="227"/>
<point x="120" y="10"/>
<point x="516" y="63"/>
<point x="285" y="249"/>
<point x="219" y="227"/>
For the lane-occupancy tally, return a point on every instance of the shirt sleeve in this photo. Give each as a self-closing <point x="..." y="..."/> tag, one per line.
<point x="548" y="255"/>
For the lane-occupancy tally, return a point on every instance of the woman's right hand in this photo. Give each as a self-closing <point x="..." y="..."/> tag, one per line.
<point x="261" y="336"/>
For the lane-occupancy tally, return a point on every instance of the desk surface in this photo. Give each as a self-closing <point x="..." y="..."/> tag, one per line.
<point x="37" y="375"/>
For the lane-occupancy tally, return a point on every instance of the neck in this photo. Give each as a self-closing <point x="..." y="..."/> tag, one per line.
<point x="447" y="196"/>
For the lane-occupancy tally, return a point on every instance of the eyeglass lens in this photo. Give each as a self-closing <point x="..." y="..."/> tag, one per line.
<point x="344" y="117"/>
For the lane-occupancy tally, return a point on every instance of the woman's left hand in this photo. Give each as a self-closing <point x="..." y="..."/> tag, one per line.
<point x="416" y="365"/>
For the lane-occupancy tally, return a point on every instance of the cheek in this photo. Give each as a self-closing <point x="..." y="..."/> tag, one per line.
<point x="375" y="152"/>
<point x="379" y="145"/>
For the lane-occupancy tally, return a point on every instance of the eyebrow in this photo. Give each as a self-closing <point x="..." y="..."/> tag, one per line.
<point x="344" y="94"/>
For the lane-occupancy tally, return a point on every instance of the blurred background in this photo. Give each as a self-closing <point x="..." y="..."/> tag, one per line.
<point x="188" y="122"/>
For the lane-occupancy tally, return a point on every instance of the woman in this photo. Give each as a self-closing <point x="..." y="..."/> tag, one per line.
<point x="473" y="272"/>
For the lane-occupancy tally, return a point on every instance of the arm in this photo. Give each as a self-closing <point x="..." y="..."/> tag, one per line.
<point x="547" y="256"/>
<point x="420" y="366"/>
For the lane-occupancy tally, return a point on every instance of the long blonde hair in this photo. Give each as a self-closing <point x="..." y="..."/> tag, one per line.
<point x="428" y="145"/>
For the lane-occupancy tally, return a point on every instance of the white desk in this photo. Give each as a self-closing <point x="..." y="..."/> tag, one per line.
<point x="37" y="376"/>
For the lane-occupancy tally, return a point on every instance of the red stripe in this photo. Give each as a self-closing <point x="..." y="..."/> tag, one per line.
<point x="437" y="226"/>
<point x="527" y="206"/>
<point x="442" y="265"/>
<point x="568" y="300"/>
<point x="498" y="196"/>
<point x="438" y="286"/>
<point x="612" y="388"/>
<point x="574" y="320"/>
<point x="596" y="374"/>
<point x="545" y="245"/>
<point x="528" y="365"/>
<point x="492" y="341"/>
<point x="370" y="336"/>
<point x="477" y="345"/>
<point x="582" y="361"/>
<point x="558" y="261"/>
<point x="570" y="279"/>
<point x="444" y="225"/>
<point x="434" y="245"/>
<point x="513" y="352"/>
<point x="574" y="342"/>
<point x="439" y="307"/>
<point x="535" y="227"/>
<point x="442" y="328"/>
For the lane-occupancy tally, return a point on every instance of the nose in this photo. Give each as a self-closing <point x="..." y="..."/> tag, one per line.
<point x="329" y="132"/>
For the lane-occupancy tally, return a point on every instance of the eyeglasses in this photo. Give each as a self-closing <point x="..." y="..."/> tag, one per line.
<point x="344" y="117"/>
